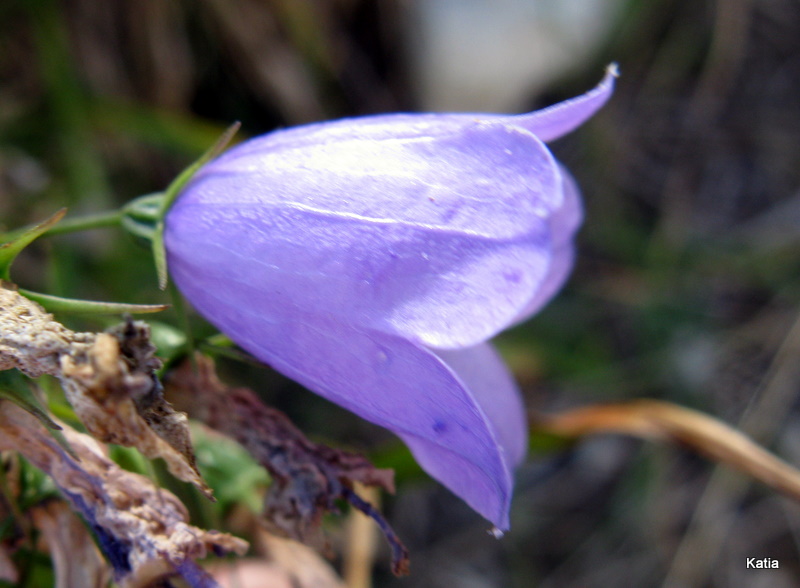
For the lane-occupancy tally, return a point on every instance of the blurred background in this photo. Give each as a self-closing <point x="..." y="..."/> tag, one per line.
<point x="686" y="286"/>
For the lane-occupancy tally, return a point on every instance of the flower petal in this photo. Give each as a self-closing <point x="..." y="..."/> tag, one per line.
<point x="442" y="240"/>
<point x="563" y="225"/>
<point x="481" y="177"/>
<point x="486" y="376"/>
<point x="382" y="378"/>
<point x="560" y="119"/>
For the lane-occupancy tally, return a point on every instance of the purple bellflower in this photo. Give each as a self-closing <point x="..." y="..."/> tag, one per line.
<point x="371" y="259"/>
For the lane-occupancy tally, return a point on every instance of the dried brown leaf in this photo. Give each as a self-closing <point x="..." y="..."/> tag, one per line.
<point x="143" y="530"/>
<point x="30" y="340"/>
<point x="109" y="378"/>
<point x="75" y="556"/>
<point x="653" y="419"/>
<point x="308" y="478"/>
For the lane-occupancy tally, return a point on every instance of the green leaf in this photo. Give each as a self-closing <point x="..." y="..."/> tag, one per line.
<point x="169" y="340"/>
<point x="10" y="250"/>
<point x="230" y="470"/>
<point x="58" y="304"/>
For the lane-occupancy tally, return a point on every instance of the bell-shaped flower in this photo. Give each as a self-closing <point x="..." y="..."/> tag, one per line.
<point x="370" y="259"/>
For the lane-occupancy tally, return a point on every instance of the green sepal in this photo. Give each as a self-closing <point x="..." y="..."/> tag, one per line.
<point x="140" y="216"/>
<point x="172" y="192"/>
<point x="10" y="250"/>
<point x="58" y="304"/>
<point x="160" y="255"/>
<point x="144" y="216"/>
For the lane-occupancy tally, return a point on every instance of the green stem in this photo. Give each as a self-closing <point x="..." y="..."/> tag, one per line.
<point x="73" y="225"/>
<point x="85" y="223"/>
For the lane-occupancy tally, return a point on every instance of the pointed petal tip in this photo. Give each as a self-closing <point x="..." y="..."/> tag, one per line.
<point x="555" y="121"/>
<point x="485" y="492"/>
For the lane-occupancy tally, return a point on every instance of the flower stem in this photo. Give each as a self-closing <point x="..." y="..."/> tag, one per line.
<point x="72" y="225"/>
<point x="84" y="223"/>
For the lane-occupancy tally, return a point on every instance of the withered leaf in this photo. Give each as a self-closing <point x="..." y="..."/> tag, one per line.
<point x="659" y="420"/>
<point x="75" y="556"/>
<point x="142" y="530"/>
<point x="109" y="379"/>
<point x="308" y="478"/>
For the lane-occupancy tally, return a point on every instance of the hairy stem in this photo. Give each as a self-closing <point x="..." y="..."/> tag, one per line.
<point x="73" y="225"/>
